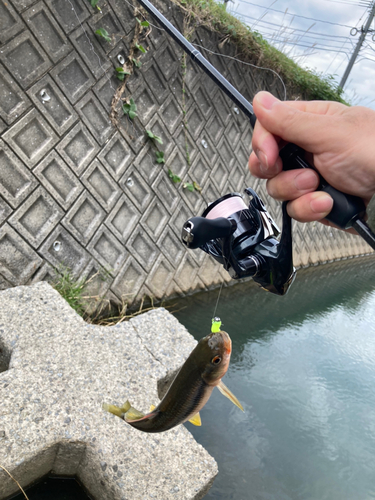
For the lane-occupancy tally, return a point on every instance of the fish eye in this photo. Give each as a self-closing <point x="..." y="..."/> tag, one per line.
<point x="216" y="360"/>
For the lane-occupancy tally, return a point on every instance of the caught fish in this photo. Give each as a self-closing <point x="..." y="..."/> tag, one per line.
<point x="189" y="391"/>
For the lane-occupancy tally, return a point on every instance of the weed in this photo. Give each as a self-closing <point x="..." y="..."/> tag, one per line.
<point x="104" y="34"/>
<point x="70" y="288"/>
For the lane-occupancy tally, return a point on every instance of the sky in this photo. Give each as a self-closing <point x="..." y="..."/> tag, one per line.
<point x="316" y="35"/>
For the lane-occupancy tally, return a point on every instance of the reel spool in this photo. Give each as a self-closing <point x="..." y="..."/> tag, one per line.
<point x="243" y="239"/>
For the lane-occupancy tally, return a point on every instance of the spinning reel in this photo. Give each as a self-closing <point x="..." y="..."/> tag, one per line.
<point x="243" y="240"/>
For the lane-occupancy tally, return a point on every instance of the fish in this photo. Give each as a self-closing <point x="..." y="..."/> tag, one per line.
<point x="189" y="391"/>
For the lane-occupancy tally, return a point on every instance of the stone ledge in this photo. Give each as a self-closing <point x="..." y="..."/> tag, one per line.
<point x="61" y="370"/>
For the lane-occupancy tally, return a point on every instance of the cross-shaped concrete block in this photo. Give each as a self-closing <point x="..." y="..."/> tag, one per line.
<point x="56" y="370"/>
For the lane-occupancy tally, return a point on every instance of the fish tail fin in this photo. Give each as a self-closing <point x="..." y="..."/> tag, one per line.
<point x="115" y="410"/>
<point x="229" y="394"/>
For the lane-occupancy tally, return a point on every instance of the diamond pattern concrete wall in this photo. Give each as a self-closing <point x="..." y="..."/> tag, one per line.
<point x="78" y="191"/>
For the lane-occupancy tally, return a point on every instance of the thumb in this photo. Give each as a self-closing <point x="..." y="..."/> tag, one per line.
<point x="304" y="123"/>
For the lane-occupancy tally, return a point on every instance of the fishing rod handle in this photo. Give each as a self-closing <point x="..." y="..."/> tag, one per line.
<point x="346" y="208"/>
<point x="198" y="230"/>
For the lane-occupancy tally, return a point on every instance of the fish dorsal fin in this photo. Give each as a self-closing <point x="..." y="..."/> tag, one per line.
<point x="133" y="414"/>
<point x="229" y="394"/>
<point x="152" y="407"/>
<point x="196" y="420"/>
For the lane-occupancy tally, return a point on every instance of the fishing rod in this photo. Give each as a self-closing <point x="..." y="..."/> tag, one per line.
<point x="237" y="243"/>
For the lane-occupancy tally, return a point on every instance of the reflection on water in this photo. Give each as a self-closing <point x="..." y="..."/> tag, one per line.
<point x="303" y="366"/>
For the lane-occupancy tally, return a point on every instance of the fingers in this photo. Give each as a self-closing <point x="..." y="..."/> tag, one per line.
<point x="310" y="207"/>
<point x="289" y="185"/>
<point x="264" y="161"/>
<point x="310" y="125"/>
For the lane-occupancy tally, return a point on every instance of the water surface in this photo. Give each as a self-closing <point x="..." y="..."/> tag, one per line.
<point x="303" y="367"/>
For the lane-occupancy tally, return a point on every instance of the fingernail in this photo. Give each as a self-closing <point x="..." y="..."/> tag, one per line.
<point x="321" y="203"/>
<point x="267" y="100"/>
<point x="262" y="157"/>
<point x="307" y="179"/>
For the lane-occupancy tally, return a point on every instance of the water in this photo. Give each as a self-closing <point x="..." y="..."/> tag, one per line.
<point x="54" y="488"/>
<point x="303" y="367"/>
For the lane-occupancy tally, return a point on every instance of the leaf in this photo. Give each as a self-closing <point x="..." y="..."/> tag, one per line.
<point x="121" y="73"/>
<point x="136" y="63"/>
<point x="189" y="186"/>
<point x="160" y="157"/>
<point x="141" y="48"/>
<point x="132" y="114"/>
<point x="175" y="178"/>
<point x="104" y="34"/>
<point x="154" y="137"/>
<point x="130" y="109"/>
<point x="93" y="3"/>
<point x="145" y="24"/>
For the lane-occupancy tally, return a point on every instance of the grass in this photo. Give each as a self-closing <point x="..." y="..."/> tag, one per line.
<point x="253" y="48"/>
<point x="95" y="309"/>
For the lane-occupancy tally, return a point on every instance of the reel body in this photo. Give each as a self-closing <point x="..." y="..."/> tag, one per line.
<point x="244" y="240"/>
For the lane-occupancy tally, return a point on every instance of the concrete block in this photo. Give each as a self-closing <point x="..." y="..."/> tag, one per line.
<point x="107" y="250"/>
<point x="61" y="248"/>
<point x="128" y="281"/>
<point x="200" y="170"/>
<point x="226" y="153"/>
<point x="167" y="59"/>
<point x="136" y="188"/>
<point x="31" y="138"/>
<point x="171" y="114"/>
<point x="183" y="139"/>
<point x="2" y="126"/>
<point x="222" y="108"/>
<point x="12" y="99"/>
<point x="10" y="22"/>
<point x="193" y="199"/>
<point x="25" y="59"/>
<point x="141" y="246"/>
<point x="125" y="13"/>
<point x="215" y="128"/>
<point x="158" y="128"/>
<point x="232" y="133"/>
<point x="22" y="4"/>
<point x="69" y="13"/>
<point x="133" y="132"/>
<point x="155" y="219"/>
<point x="95" y="117"/>
<point x="101" y="185"/>
<point x="186" y="273"/>
<point x="170" y="244"/>
<point x="46" y="30"/>
<point x="84" y="218"/>
<point x="237" y="177"/>
<point x="207" y="148"/>
<point x="107" y="20"/>
<point x="87" y="45"/>
<point x="73" y="77"/>
<point x="145" y="162"/>
<point x="18" y="261"/>
<point x="195" y="120"/>
<point x="116" y="156"/>
<point x="160" y="277"/>
<point x="16" y="181"/>
<point x="36" y="217"/>
<point x="145" y="101"/>
<point x="166" y="191"/>
<point x="44" y="273"/>
<point x="58" y="179"/>
<point x="5" y="211"/>
<point x="219" y="175"/>
<point x="180" y="216"/>
<point x="155" y="79"/>
<point x="78" y="148"/>
<point x="123" y="218"/>
<point x="53" y="105"/>
<point x="106" y="88"/>
<point x="202" y="99"/>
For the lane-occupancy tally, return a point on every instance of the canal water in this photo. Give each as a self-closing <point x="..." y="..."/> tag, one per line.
<point x="303" y="366"/>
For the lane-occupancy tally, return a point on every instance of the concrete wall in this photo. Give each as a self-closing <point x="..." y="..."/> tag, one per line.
<point x="75" y="190"/>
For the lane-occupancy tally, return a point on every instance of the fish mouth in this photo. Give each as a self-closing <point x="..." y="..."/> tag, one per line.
<point x="227" y="343"/>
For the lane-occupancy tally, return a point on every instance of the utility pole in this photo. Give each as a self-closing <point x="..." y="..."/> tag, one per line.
<point x="364" y="31"/>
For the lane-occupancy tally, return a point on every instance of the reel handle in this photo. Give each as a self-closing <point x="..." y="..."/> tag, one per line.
<point x="198" y="230"/>
<point x="346" y="207"/>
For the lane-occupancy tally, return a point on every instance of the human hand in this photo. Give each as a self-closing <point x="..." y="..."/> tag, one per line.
<point x="341" y="141"/>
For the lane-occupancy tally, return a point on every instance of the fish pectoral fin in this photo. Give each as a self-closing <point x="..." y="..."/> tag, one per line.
<point x="115" y="410"/>
<point x="196" y="420"/>
<point x="133" y="414"/>
<point x="229" y="394"/>
<point x="152" y="407"/>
